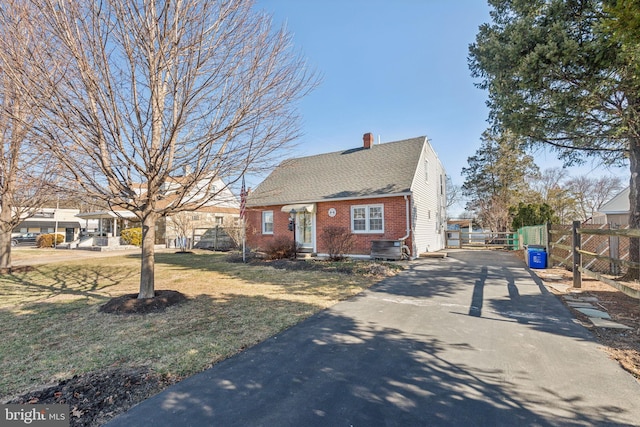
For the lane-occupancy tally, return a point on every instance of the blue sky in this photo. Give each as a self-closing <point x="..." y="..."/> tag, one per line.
<point x="395" y="68"/>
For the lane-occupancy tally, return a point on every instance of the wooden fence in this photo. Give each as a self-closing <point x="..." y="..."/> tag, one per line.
<point x="218" y="238"/>
<point x="481" y="239"/>
<point x="593" y="250"/>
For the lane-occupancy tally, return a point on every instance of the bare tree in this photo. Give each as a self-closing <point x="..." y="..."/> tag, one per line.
<point x="493" y="213"/>
<point x="152" y="89"/>
<point x="454" y="195"/>
<point x="181" y="225"/>
<point x="25" y="171"/>
<point x="549" y="187"/>
<point x="546" y="182"/>
<point x="591" y="193"/>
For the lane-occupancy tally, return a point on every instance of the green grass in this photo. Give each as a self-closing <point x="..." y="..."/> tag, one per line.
<point x="52" y="328"/>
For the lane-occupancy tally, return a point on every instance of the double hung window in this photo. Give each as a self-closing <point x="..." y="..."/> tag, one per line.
<point x="367" y="219"/>
<point x="267" y="222"/>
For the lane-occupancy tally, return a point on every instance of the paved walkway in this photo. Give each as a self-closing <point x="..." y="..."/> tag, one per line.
<point x="470" y="340"/>
<point x="33" y="256"/>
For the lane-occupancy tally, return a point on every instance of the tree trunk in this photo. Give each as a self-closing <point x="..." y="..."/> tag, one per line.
<point x="5" y="236"/>
<point x="634" y="207"/>
<point x="147" y="274"/>
<point x="5" y="249"/>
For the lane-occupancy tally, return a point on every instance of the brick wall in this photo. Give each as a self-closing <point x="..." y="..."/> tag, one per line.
<point x="395" y="224"/>
<point x="255" y="238"/>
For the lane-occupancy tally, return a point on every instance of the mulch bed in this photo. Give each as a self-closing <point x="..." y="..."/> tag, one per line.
<point x="97" y="397"/>
<point x="130" y="304"/>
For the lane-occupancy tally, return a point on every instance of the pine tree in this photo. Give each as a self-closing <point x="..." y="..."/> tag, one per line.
<point x="495" y="179"/>
<point x="566" y="74"/>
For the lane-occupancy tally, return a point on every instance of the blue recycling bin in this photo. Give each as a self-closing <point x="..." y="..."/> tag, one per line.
<point x="537" y="257"/>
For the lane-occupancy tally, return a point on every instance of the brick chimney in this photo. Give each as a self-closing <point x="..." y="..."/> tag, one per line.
<point x="368" y="140"/>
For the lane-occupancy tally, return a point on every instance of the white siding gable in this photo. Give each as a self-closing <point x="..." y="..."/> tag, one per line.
<point x="429" y="202"/>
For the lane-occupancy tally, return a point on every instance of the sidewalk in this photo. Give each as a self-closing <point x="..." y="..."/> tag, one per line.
<point x="50" y="256"/>
<point x="470" y="340"/>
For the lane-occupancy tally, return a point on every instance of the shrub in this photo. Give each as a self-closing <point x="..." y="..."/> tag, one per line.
<point x="338" y="240"/>
<point x="46" y="240"/>
<point x="281" y="248"/>
<point x="132" y="236"/>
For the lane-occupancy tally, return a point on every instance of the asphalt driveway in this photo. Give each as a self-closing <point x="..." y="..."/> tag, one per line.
<point x="470" y="340"/>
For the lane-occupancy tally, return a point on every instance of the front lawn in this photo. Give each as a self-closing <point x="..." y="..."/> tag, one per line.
<point x="53" y="330"/>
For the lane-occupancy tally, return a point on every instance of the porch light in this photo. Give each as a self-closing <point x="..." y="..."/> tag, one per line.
<point x="292" y="227"/>
<point x="292" y="220"/>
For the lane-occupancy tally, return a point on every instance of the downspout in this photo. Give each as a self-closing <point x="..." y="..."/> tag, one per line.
<point x="406" y="202"/>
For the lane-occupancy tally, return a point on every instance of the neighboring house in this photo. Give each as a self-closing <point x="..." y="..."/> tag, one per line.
<point x="198" y="226"/>
<point x="393" y="191"/>
<point x="615" y="211"/>
<point x="107" y="222"/>
<point x="223" y="209"/>
<point x="50" y="220"/>
<point x="458" y="233"/>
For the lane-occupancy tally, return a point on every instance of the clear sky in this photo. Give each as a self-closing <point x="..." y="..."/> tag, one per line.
<point x="395" y="68"/>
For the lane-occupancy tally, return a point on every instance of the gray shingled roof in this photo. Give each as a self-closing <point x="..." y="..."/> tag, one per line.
<point x="357" y="173"/>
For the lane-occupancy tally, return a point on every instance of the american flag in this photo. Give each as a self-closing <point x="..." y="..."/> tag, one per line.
<point x="243" y="199"/>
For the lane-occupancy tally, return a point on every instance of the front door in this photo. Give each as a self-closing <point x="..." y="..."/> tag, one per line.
<point x="304" y="230"/>
<point x="69" y="234"/>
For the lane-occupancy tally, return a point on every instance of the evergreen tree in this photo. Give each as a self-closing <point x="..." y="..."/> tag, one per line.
<point x="566" y="74"/>
<point x="495" y="179"/>
<point x="531" y="214"/>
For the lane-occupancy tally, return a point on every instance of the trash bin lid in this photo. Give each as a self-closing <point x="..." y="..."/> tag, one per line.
<point x="536" y="247"/>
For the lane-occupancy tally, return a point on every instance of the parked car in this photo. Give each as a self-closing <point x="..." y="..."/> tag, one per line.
<point x="24" y="238"/>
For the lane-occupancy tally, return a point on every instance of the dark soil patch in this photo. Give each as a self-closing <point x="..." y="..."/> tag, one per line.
<point x="97" y="397"/>
<point x="289" y="264"/>
<point x="373" y="268"/>
<point x="130" y="304"/>
<point x="370" y="268"/>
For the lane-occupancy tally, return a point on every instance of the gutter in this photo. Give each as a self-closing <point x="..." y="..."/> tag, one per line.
<point x="337" y="199"/>
<point x="406" y="202"/>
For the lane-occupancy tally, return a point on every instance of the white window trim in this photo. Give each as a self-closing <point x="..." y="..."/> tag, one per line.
<point x="367" y="229"/>
<point x="264" y="223"/>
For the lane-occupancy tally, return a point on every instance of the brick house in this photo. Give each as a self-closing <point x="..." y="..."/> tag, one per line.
<point x="377" y="192"/>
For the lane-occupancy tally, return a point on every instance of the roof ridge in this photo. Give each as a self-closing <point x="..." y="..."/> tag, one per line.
<point x="355" y="148"/>
<point x="355" y="173"/>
